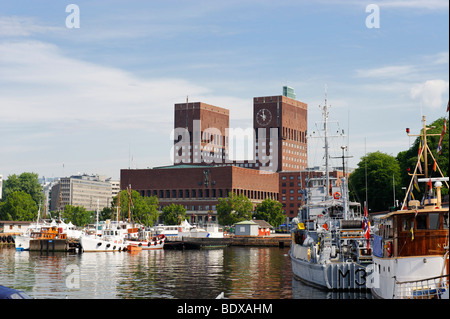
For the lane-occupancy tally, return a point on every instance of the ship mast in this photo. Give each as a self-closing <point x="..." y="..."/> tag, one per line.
<point x="422" y="152"/>
<point x="325" y="126"/>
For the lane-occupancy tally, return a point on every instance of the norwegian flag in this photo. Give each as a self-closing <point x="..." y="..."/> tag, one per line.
<point x="444" y="130"/>
<point x="366" y="225"/>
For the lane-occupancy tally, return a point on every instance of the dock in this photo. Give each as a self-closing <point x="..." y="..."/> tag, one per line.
<point x="280" y="241"/>
<point x="49" y="245"/>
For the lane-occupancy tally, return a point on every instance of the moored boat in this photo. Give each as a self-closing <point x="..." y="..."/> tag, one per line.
<point x="410" y="254"/>
<point x="330" y="240"/>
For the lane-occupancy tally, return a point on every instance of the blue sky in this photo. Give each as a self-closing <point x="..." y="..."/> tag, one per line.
<point x="100" y="97"/>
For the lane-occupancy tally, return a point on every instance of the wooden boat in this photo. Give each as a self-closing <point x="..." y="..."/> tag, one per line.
<point x="410" y="247"/>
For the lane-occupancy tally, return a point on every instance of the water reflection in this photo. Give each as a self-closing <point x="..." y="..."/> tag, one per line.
<point x="238" y="272"/>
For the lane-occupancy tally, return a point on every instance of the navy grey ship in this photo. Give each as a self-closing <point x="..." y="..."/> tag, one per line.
<point x="330" y="242"/>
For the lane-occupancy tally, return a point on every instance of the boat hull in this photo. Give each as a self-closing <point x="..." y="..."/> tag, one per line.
<point x="389" y="271"/>
<point x="147" y="245"/>
<point x="93" y="244"/>
<point x="22" y="243"/>
<point x="332" y="275"/>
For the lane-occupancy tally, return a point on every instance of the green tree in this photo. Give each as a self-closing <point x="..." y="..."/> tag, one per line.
<point x="383" y="175"/>
<point x="173" y="214"/>
<point x="271" y="211"/>
<point x="19" y="206"/>
<point x="26" y="182"/>
<point x="142" y="209"/>
<point x="77" y="215"/>
<point x="234" y="209"/>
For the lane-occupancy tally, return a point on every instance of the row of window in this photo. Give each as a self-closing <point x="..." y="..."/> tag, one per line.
<point x="207" y="193"/>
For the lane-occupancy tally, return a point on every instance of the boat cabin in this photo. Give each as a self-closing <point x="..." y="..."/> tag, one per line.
<point x="417" y="231"/>
<point x="49" y="233"/>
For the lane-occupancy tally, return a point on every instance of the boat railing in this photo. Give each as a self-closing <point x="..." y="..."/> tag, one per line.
<point x="429" y="288"/>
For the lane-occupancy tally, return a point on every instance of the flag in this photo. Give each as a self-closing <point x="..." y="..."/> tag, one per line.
<point x="366" y="225"/>
<point x="434" y="166"/>
<point x="444" y="130"/>
<point x="416" y="183"/>
<point x="430" y="191"/>
<point x="447" y="105"/>
<point x="420" y="156"/>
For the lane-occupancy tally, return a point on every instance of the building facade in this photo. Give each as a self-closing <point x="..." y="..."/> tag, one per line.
<point x="203" y="172"/>
<point x="200" y="133"/>
<point x="81" y="190"/>
<point x="198" y="187"/>
<point x="282" y="120"/>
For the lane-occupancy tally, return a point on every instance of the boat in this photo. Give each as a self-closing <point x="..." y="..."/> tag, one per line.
<point x="10" y="293"/>
<point x="134" y="249"/>
<point x="170" y="231"/>
<point x="109" y="239"/>
<point x="22" y="242"/>
<point x="209" y="230"/>
<point x="146" y="241"/>
<point x="410" y="245"/>
<point x="330" y="243"/>
<point x="138" y="236"/>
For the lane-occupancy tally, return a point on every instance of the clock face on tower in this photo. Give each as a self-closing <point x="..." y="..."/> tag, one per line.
<point x="263" y="117"/>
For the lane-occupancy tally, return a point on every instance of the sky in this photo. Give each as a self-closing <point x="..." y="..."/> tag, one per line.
<point x="93" y="90"/>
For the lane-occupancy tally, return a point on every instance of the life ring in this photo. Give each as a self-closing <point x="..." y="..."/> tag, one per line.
<point x="337" y="195"/>
<point x="389" y="249"/>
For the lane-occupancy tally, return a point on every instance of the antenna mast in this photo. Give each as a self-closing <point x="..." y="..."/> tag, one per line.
<point x="325" y="126"/>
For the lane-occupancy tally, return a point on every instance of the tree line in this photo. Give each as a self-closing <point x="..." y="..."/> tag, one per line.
<point x="23" y="196"/>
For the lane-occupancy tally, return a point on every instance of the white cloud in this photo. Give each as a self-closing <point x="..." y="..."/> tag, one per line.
<point x="430" y="93"/>
<point x="40" y="84"/>
<point x="415" y="4"/>
<point x="386" y="71"/>
<point x="12" y="26"/>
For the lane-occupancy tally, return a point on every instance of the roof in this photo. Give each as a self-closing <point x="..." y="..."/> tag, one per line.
<point x="186" y="166"/>
<point x="424" y="210"/>
<point x="260" y="223"/>
<point x="15" y="222"/>
<point x="246" y="222"/>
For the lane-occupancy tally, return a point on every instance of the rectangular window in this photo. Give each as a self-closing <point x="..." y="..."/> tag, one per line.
<point x="433" y="221"/>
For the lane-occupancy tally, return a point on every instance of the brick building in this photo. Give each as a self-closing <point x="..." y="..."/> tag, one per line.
<point x="202" y="171"/>
<point x="198" y="187"/>
<point x="293" y="185"/>
<point x="287" y="118"/>
<point x="200" y="133"/>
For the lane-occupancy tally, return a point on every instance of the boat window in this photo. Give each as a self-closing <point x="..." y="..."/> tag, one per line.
<point x="434" y="221"/>
<point x="445" y="220"/>
<point x="421" y="221"/>
<point x="407" y="223"/>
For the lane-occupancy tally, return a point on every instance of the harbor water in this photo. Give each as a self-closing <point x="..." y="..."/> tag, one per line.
<point x="237" y="272"/>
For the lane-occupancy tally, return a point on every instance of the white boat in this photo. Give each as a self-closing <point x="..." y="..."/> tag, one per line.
<point x="329" y="247"/>
<point x="410" y="252"/>
<point x="170" y="231"/>
<point x="208" y="231"/>
<point x="110" y="239"/>
<point x="146" y="241"/>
